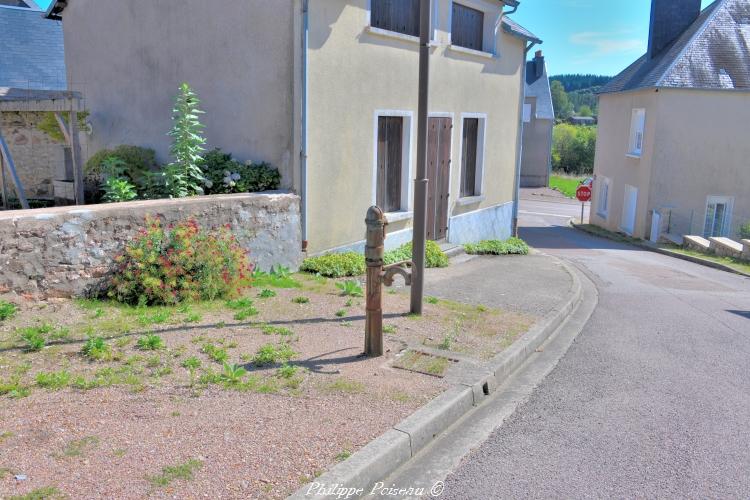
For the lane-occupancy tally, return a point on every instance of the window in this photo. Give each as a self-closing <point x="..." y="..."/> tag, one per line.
<point x="602" y="208"/>
<point x="390" y="163"/>
<point x="467" y="27"/>
<point x="401" y="16"/>
<point x="637" y="127"/>
<point x="527" y="113"/>
<point x="472" y="155"/>
<point x="718" y="216"/>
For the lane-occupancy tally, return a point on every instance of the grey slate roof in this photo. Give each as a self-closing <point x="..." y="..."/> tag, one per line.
<point x="512" y="27"/>
<point x="539" y="88"/>
<point x="31" y="50"/>
<point x="713" y="53"/>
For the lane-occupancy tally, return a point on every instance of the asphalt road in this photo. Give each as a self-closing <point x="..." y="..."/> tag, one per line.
<point x="652" y="400"/>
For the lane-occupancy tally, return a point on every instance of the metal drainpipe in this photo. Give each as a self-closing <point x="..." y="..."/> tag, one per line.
<point x="303" y="125"/>
<point x="517" y="187"/>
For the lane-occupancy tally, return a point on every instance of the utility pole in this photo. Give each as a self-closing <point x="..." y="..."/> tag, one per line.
<point x="420" y="183"/>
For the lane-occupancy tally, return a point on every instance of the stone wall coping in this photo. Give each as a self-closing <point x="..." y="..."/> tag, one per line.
<point x="727" y="243"/>
<point x="103" y="208"/>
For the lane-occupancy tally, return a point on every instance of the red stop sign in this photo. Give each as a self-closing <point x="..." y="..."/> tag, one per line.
<point x="583" y="193"/>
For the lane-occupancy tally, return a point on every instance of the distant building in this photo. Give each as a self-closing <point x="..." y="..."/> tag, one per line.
<point x="32" y="61"/>
<point x="538" y="122"/>
<point x="672" y="149"/>
<point x="582" y="120"/>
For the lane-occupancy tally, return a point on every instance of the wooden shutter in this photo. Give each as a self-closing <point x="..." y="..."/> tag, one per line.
<point x="390" y="159"/>
<point x="401" y="16"/>
<point x="469" y="157"/>
<point x="467" y="27"/>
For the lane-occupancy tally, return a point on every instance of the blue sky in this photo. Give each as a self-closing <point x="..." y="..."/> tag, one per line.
<point x="583" y="36"/>
<point x="588" y="36"/>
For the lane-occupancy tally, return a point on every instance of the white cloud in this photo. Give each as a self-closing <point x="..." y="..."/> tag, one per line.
<point x="602" y="44"/>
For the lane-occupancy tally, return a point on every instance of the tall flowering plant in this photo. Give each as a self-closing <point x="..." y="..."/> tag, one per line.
<point x="168" y="265"/>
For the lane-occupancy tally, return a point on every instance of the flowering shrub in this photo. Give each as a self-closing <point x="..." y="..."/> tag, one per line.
<point x="226" y="175"/>
<point x="180" y="263"/>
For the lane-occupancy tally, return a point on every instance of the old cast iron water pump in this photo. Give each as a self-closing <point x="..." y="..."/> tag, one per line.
<point x="377" y="275"/>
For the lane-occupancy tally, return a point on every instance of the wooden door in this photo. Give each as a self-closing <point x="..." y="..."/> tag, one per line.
<point x="438" y="175"/>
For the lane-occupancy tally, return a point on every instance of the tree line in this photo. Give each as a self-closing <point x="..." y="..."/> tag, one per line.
<point x="575" y="94"/>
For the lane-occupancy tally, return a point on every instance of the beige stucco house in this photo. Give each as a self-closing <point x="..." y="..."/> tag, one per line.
<point x="538" y="124"/>
<point x="672" y="151"/>
<point x="327" y="91"/>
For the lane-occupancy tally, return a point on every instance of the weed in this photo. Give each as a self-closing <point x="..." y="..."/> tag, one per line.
<point x="283" y="280"/>
<point x="511" y="246"/>
<point x="349" y="303"/>
<point x="345" y="385"/>
<point x="341" y="313"/>
<point x="157" y="317"/>
<point x="217" y="354"/>
<point x="267" y="294"/>
<point x="350" y="288"/>
<point x="432" y="300"/>
<point x="400" y="396"/>
<point x="343" y="455"/>
<point x="7" y="310"/>
<point x="287" y="371"/>
<point x="123" y="342"/>
<point x="191" y="363"/>
<point x="193" y="317"/>
<point x="6" y="435"/>
<point x="446" y="343"/>
<point x="173" y="472"/>
<point x="347" y="323"/>
<point x="270" y="354"/>
<point x="233" y="374"/>
<point x="481" y="308"/>
<point x="391" y="329"/>
<point x="276" y="330"/>
<point x="47" y="492"/>
<point x="53" y="380"/>
<point x="335" y="265"/>
<point x="392" y="291"/>
<point x="150" y="342"/>
<point x="221" y="324"/>
<point x="78" y="447"/>
<point x="245" y="313"/>
<point x="153" y="361"/>
<point x="98" y="313"/>
<point x="301" y="300"/>
<point x="422" y="363"/>
<point x="239" y="304"/>
<point x="120" y="452"/>
<point x="35" y="337"/>
<point x="175" y="414"/>
<point x="96" y="349"/>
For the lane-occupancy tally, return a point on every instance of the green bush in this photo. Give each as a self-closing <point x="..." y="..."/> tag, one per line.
<point x="180" y="263"/>
<point x="226" y="175"/>
<point x="138" y="166"/>
<point x="511" y="246"/>
<point x="434" y="256"/>
<point x="335" y="265"/>
<point x="745" y="231"/>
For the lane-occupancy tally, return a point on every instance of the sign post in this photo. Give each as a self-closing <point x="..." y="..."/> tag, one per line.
<point x="583" y="193"/>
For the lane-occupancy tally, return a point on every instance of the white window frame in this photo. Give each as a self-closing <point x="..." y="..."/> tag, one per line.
<point x="602" y="204"/>
<point x="481" y="150"/>
<point x="720" y="200"/>
<point x="637" y="130"/>
<point x="407" y="141"/>
<point x="434" y="21"/>
<point x="527" y="112"/>
<point x="490" y="37"/>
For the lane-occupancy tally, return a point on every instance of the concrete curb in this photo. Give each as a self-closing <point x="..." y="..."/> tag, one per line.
<point x="663" y="251"/>
<point x="378" y="459"/>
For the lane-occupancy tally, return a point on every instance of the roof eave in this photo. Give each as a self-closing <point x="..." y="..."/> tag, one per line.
<point x="509" y="30"/>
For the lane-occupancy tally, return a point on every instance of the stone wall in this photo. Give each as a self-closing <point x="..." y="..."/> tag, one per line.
<point x="35" y="154"/>
<point x="69" y="251"/>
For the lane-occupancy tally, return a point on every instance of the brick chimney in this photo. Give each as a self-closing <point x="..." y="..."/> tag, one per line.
<point x="538" y="64"/>
<point x="669" y="20"/>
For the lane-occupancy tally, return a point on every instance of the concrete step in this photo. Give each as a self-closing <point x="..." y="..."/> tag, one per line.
<point x="451" y="249"/>
<point x="725" y="247"/>
<point x="698" y="243"/>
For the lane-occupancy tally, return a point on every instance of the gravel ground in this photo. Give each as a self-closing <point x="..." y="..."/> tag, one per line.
<point x="260" y="441"/>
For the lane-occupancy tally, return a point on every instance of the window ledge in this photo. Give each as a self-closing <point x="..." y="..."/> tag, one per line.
<point x="635" y="156"/>
<point x="395" y="35"/>
<point x="398" y="216"/>
<point x="471" y="52"/>
<point x="470" y="200"/>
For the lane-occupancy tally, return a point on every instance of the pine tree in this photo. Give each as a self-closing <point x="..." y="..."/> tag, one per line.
<point x="184" y="177"/>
